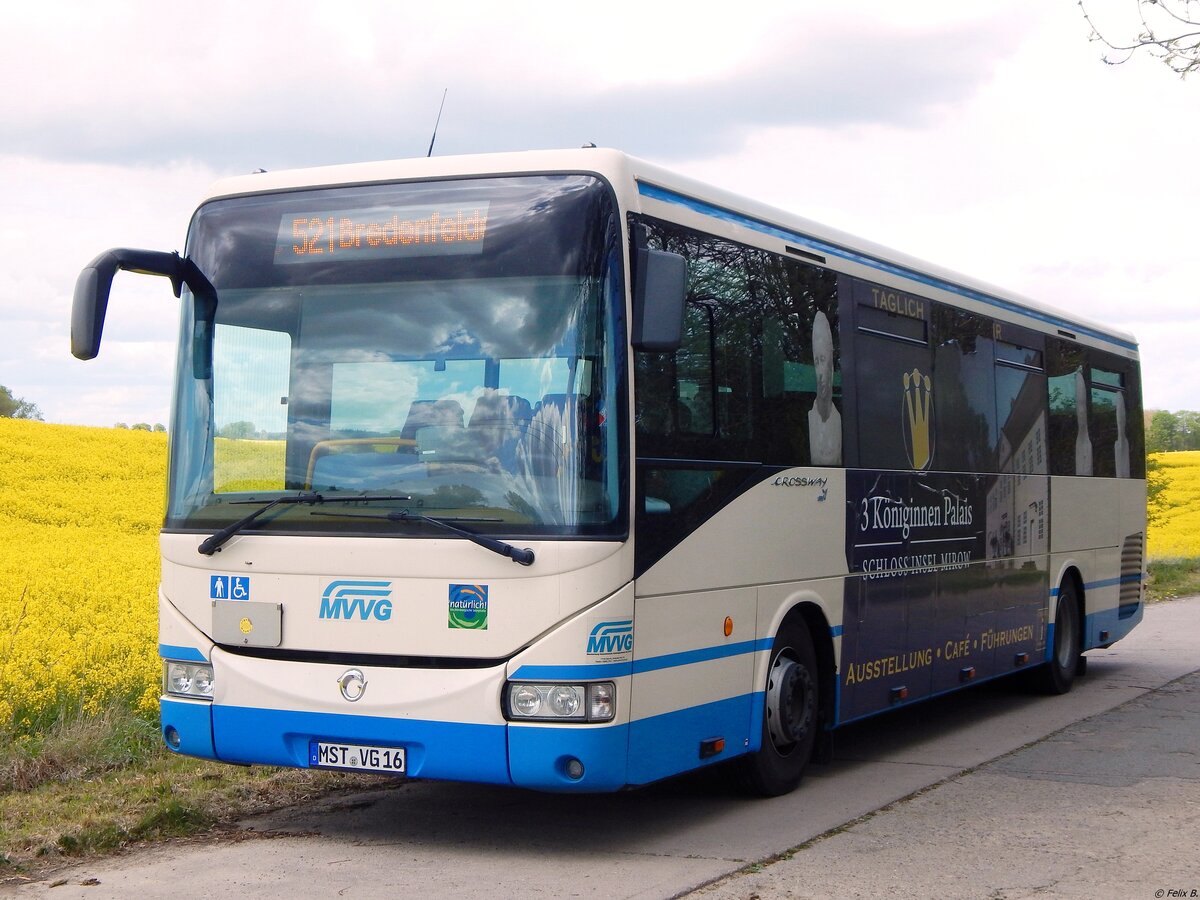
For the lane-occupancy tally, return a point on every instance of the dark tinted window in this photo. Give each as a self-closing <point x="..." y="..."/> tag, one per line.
<point x="1117" y="446"/>
<point x="755" y="382"/>
<point x="757" y="378"/>
<point x="1020" y="402"/>
<point x="1067" y="431"/>
<point x="893" y="377"/>
<point x="963" y="391"/>
<point x="1095" y="425"/>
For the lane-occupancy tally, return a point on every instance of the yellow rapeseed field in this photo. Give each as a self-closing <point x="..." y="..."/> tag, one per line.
<point x="248" y="465"/>
<point x="1178" y="535"/>
<point x="80" y="511"/>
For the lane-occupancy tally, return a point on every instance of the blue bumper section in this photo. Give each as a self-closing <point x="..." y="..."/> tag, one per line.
<point x="1108" y="626"/>
<point x="443" y="750"/>
<point x="644" y="751"/>
<point x="540" y="756"/>
<point x="191" y="720"/>
<point x="665" y="745"/>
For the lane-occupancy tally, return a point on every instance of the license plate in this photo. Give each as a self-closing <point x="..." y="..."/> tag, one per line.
<point x="358" y="757"/>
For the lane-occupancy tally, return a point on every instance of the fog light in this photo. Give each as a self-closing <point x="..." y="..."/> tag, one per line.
<point x="574" y="769"/>
<point x="172" y="737"/>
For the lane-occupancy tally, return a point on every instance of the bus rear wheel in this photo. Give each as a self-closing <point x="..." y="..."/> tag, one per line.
<point x="1057" y="676"/>
<point x="790" y="715"/>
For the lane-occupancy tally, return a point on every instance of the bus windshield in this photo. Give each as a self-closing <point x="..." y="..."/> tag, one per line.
<point x="450" y="347"/>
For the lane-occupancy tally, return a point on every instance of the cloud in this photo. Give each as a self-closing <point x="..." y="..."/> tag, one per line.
<point x="59" y="216"/>
<point x="254" y="85"/>
<point x="993" y="142"/>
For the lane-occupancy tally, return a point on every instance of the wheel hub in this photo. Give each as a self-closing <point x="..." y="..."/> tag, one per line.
<point x="791" y="702"/>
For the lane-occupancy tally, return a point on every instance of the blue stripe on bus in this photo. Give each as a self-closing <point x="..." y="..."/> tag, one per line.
<point x="1134" y="578"/>
<point x="655" y="192"/>
<point x="1103" y="583"/>
<point x="573" y="673"/>
<point x="704" y="654"/>
<point x="185" y="654"/>
<point x="638" y="666"/>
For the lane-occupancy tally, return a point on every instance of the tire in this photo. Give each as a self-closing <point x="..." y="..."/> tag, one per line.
<point x="791" y="715"/>
<point x="1057" y="676"/>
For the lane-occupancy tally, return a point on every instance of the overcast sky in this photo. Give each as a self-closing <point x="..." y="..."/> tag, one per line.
<point x="988" y="138"/>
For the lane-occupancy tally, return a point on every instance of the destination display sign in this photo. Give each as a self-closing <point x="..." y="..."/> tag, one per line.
<point x="381" y="232"/>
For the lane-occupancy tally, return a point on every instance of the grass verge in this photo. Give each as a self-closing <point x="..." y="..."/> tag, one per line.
<point x="1172" y="578"/>
<point x="95" y="784"/>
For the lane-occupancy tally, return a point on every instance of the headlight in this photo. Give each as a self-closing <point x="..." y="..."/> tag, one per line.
<point x="591" y="702"/>
<point x="187" y="679"/>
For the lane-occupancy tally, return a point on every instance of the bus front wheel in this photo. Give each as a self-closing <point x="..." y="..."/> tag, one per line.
<point x="790" y="715"/>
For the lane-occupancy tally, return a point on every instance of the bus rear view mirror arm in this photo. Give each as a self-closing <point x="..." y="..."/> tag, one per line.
<point x="95" y="282"/>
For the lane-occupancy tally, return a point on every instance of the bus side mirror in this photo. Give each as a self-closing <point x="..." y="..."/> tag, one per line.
<point x="95" y="283"/>
<point x="659" y="295"/>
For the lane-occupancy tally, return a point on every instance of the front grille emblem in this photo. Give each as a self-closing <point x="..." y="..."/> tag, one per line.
<point x="352" y="684"/>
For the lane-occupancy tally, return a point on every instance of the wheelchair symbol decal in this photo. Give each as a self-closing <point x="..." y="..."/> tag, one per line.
<point x="229" y="587"/>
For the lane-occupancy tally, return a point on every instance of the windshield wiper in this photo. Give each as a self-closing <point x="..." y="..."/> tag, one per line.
<point x="212" y="544"/>
<point x="516" y="554"/>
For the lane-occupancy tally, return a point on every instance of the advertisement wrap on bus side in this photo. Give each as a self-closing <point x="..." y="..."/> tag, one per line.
<point x="911" y="539"/>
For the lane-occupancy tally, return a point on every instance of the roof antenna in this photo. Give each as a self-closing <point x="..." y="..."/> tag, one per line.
<point x="437" y="122"/>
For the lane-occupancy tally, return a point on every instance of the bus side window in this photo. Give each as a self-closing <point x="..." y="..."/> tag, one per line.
<point x="893" y="380"/>
<point x="759" y="355"/>
<point x="675" y="391"/>
<point x="801" y="421"/>
<point x="1021" y="405"/>
<point x="1108" y="419"/>
<point x="963" y="390"/>
<point x="1134" y="424"/>
<point x="1069" y="439"/>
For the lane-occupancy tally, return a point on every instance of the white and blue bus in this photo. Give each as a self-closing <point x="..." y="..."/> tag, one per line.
<point x="559" y="470"/>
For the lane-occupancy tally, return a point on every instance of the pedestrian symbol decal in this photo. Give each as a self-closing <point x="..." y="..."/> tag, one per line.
<point x="229" y="587"/>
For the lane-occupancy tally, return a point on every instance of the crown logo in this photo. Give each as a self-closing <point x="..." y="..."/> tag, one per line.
<point x="918" y="391"/>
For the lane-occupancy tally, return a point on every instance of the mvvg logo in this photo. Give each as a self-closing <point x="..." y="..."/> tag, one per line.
<point x="611" y="637"/>
<point x="361" y="600"/>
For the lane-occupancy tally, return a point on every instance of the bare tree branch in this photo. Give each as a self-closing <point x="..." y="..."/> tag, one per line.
<point x="1180" y="52"/>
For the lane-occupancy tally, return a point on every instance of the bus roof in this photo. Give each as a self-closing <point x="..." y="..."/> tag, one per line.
<point x="645" y="187"/>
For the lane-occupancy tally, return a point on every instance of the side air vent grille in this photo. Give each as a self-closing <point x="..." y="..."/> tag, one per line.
<point x="1133" y="554"/>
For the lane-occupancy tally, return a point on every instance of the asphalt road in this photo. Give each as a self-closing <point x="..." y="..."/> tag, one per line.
<point x="991" y="793"/>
